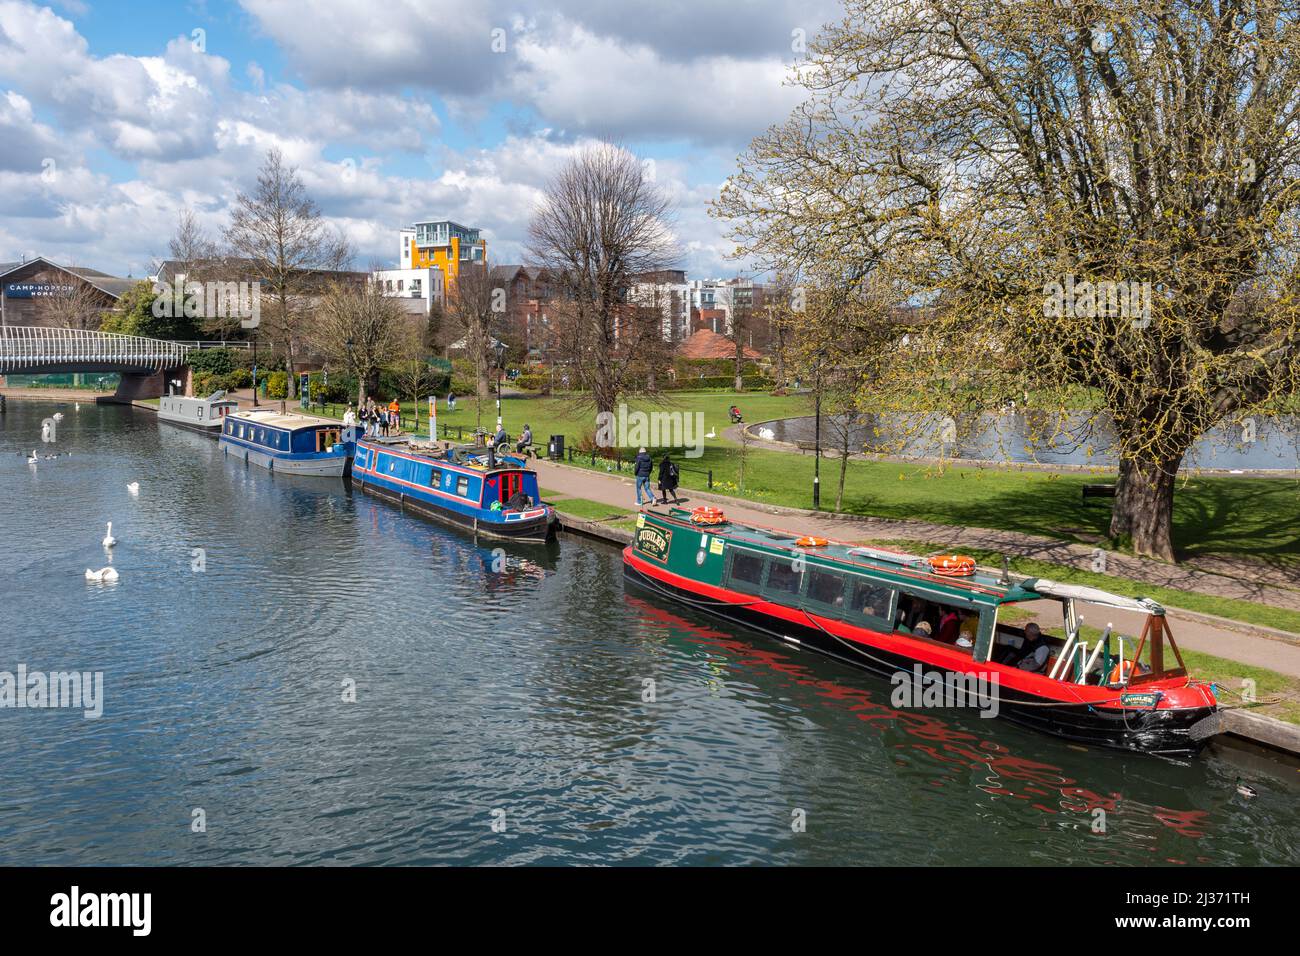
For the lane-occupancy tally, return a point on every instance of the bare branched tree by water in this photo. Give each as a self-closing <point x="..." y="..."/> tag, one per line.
<point x="360" y="329"/>
<point x="1082" y="194"/>
<point x="476" y="305"/>
<point x="602" y="222"/>
<point x="81" y="307"/>
<point x="280" y="232"/>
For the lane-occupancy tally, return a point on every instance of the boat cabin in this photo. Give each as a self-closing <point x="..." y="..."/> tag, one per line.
<point x="456" y="474"/>
<point x="941" y="601"/>
<point x="283" y="432"/>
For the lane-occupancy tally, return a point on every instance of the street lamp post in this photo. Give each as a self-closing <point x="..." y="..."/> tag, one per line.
<point x="500" y="350"/>
<point x="817" y="459"/>
<point x="254" y="369"/>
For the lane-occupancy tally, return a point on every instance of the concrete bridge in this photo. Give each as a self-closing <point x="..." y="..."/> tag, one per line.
<point x="144" y="364"/>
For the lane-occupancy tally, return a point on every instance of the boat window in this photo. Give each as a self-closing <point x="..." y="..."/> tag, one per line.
<point x="746" y="569"/>
<point x="462" y="486"/>
<point x="826" y="587"/>
<point x="781" y="576"/>
<point x="872" y="600"/>
<point x="435" y="478"/>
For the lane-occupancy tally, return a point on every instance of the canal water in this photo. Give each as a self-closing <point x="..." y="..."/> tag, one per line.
<point x="1256" y="443"/>
<point x="505" y="689"/>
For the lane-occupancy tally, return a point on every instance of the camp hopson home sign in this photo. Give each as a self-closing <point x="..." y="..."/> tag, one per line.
<point x="37" y="290"/>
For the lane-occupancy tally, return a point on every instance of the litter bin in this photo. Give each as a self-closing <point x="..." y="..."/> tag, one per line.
<point x="555" y="448"/>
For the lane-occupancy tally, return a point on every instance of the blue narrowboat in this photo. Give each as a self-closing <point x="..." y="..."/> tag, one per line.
<point x="488" y="494"/>
<point x="288" y="442"/>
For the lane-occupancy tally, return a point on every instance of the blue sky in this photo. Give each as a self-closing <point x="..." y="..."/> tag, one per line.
<point x="115" y="116"/>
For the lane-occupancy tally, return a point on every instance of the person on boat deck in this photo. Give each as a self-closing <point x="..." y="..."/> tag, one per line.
<point x="525" y="439"/>
<point x="949" y="626"/>
<point x="1032" y="655"/>
<point x="970" y="625"/>
<point x="642" y="467"/>
<point x="668" y="477"/>
<point x="519" y="501"/>
<point x="500" y="438"/>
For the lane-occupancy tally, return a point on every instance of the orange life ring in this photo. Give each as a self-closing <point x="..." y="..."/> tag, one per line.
<point x="1123" y="671"/>
<point x="808" y="541"/>
<point x="707" y="515"/>
<point x="952" y="565"/>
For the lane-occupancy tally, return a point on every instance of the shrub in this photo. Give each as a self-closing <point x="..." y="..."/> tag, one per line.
<point x="277" y="385"/>
<point x="534" y="381"/>
<point x="215" y="361"/>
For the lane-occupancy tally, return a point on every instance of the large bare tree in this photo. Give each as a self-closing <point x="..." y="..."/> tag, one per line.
<point x="1097" y="201"/>
<point x="361" y="329"/>
<point x="476" y="305"/>
<point x="279" y="231"/>
<point x="602" y="222"/>
<point x="83" y="307"/>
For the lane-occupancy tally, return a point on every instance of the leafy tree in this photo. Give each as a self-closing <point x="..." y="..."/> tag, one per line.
<point x="983" y="157"/>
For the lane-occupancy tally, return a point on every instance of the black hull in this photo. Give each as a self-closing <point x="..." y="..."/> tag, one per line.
<point x="536" y="531"/>
<point x="1162" y="732"/>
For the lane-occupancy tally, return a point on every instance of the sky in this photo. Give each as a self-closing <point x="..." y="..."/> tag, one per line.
<point x="115" y="116"/>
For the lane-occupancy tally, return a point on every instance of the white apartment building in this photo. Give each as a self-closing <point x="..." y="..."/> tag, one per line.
<point x="423" y="285"/>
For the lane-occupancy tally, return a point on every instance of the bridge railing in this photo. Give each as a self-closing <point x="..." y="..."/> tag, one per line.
<point x="30" y="347"/>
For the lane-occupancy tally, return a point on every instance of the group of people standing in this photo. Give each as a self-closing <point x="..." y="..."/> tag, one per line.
<point x="376" y="418"/>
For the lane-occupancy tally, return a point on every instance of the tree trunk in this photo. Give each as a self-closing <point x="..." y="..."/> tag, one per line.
<point x="740" y="359"/>
<point x="1121" y="522"/>
<point x="1144" y="506"/>
<point x="839" y="495"/>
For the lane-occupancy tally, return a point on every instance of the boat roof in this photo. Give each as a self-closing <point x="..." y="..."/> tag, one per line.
<point x="289" y="420"/>
<point x="912" y="572"/>
<point x="471" y="457"/>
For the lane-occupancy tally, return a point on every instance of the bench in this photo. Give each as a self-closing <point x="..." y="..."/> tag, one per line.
<point x="1098" y="491"/>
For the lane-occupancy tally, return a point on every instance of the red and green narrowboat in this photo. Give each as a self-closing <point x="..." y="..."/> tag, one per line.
<point x="939" y="619"/>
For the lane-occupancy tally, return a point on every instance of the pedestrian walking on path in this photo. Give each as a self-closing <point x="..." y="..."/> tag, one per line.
<point x="643" y="466"/>
<point x="668" y="477"/>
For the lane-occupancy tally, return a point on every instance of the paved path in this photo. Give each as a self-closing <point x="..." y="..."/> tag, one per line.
<point x="1249" y="645"/>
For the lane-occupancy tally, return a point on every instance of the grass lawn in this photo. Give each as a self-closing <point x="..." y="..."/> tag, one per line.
<point x="1248" y="517"/>
<point x="1236" y="610"/>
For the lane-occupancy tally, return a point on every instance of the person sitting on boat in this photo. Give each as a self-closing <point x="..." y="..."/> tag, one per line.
<point x="519" y="501"/>
<point x="525" y="439"/>
<point x="949" y="626"/>
<point x="1032" y="655"/>
<point x="500" y="438"/>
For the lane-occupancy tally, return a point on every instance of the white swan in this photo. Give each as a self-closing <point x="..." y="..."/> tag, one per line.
<point x="109" y="540"/>
<point x="57" y="416"/>
<point x="766" y="434"/>
<point x="134" y="487"/>
<point x="32" y="459"/>
<point x="710" y="434"/>
<point x="103" y="574"/>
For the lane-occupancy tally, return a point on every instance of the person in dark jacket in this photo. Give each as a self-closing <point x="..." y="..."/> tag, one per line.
<point x="668" y="475"/>
<point x="642" y="468"/>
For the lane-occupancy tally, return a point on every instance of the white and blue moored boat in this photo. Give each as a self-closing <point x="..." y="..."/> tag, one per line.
<point x="288" y="442"/>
